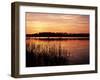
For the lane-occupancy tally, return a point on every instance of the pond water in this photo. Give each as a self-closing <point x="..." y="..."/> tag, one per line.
<point x="56" y="52"/>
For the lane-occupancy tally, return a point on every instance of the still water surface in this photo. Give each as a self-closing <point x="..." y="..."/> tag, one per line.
<point x="56" y="52"/>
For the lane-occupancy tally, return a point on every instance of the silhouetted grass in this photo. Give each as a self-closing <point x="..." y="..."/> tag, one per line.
<point x="40" y="53"/>
<point x="50" y="57"/>
<point x="33" y="59"/>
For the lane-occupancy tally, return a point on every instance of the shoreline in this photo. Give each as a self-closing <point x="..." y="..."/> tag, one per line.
<point x="58" y="38"/>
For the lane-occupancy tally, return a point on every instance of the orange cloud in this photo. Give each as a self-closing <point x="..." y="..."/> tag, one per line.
<point x="46" y="22"/>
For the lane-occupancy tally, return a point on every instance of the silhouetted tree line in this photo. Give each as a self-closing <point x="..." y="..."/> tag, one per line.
<point x="51" y="34"/>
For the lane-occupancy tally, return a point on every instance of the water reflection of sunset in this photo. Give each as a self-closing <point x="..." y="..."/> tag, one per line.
<point x="42" y="22"/>
<point x="66" y="52"/>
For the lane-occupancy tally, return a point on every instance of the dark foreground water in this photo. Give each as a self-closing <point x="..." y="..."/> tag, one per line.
<point x="56" y="52"/>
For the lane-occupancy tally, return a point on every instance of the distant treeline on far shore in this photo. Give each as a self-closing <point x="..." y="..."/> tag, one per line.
<point x="51" y="34"/>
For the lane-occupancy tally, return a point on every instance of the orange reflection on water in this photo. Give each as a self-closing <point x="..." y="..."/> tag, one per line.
<point x="77" y="51"/>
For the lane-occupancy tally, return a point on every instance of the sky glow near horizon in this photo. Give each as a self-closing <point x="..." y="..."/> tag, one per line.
<point x="63" y="23"/>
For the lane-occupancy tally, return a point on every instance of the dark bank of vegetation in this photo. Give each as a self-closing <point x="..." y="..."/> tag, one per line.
<point x="51" y="34"/>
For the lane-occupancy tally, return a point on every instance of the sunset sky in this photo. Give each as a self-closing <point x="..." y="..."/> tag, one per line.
<point x="46" y="22"/>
